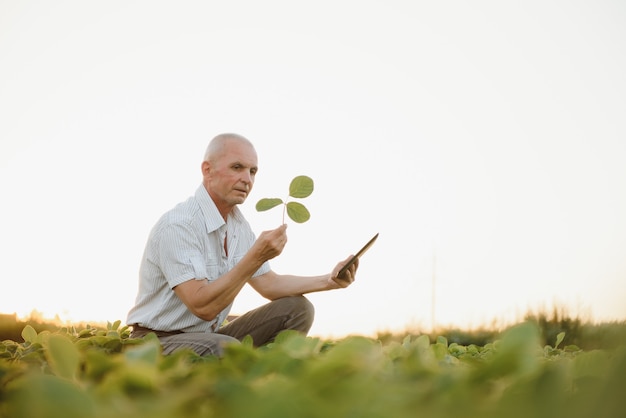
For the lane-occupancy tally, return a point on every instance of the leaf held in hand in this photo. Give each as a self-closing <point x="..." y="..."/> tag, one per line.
<point x="298" y="212"/>
<point x="267" y="204"/>
<point x="301" y="186"/>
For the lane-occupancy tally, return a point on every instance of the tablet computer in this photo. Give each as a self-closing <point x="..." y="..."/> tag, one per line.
<point x="357" y="255"/>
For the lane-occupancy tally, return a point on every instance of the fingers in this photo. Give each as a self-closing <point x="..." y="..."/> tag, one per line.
<point x="271" y="243"/>
<point x="348" y="276"/>
<point x="280" y="235"/>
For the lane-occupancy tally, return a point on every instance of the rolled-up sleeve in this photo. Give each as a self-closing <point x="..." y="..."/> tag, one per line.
<point x="180" y="255"/>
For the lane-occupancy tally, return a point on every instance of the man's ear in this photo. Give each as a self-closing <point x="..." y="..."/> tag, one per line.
<point x="206" y="168"/>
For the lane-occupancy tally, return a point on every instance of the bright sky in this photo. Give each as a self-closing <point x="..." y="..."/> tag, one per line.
<point x="485" y="141"/>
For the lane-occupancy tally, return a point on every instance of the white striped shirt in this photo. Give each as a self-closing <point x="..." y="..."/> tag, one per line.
<point x="187" y="243"/>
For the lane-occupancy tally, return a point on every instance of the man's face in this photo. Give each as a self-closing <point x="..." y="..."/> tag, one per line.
<point x="229" y="177"/>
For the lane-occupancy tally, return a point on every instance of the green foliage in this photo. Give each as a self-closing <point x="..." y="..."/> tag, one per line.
<point x="62" y="355"/>
<point x="556" y="321"/>
<point x="300" y="187"/>
<point x="98" y="372"/>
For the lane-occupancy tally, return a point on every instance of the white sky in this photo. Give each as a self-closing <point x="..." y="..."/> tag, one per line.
<point x="490" y="134"/>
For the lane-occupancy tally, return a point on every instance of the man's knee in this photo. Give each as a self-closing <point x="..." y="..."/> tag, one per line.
<point x="307" y="307"/>
<point x="297" y="304"/>
<point x="301" y="313"/>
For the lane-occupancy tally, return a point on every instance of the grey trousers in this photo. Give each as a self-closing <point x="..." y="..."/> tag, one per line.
<point x="263" y="324"/>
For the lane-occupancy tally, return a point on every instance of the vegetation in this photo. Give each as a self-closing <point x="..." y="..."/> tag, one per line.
<point x="585" y="334"/>
<point x="101" y="372"/>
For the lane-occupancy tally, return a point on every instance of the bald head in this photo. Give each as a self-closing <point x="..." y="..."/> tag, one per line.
<point x="228" y="171"/>
<point x="218" y="145"/>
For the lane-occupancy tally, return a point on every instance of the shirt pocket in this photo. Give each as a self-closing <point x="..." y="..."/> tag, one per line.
<point x="205" y="269"/>
<point x="213" y="271"/>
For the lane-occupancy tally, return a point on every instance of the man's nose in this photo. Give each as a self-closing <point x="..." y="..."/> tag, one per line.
<point x="247" y="179"/>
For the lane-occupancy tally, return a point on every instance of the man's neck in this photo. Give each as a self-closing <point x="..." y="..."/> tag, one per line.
<point x="223" y="209"/>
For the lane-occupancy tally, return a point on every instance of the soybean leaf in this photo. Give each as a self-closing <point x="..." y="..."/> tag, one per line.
<point x="559" y="339"/>
<point x="247" y="341"/>
<point x="63" y="356"/>
<point x="442" y="340"/>
<point x="298" y="212"/>
<point x="114" y="326"/>
<point x="29" y="334"/>
<point x="266" y="204"/>
<point x="301" y="186"/>
<point x="144" y="353"/>
<point x="50" y="396"/>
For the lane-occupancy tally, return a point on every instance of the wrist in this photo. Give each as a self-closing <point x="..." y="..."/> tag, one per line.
<point x="331" y="284"/>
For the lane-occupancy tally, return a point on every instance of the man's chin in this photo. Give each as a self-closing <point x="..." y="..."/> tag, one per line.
<point x="239" y="200"/>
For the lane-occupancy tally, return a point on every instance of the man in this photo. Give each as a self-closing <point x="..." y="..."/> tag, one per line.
<point x="201" y="253"/>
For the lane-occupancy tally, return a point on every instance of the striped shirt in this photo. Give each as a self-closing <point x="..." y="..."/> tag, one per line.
<point x="187" y="243"/>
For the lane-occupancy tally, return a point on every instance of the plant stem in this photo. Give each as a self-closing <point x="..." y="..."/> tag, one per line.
<point x="284" y="210"/>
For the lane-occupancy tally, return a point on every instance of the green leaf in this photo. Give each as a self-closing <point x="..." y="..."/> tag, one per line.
<point x="297" y="212"/>
<point x="301" y="186"/>
<point x="113" y="326"/>
<point x="443" y="341"/>
<point x="266" y="204"/>
<point x="422" y="342"/>
<point x="85" y="333"/>
<point x="63" y="356"/>
<point x="49" y="396"/>
<point x="559" y="339"/>
<point x="247" y="341"/>
<point x="149" y="352"/>
<point x="29" y="334"/>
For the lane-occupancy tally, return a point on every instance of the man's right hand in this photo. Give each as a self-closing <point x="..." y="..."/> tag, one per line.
<point x="270" y="244"/>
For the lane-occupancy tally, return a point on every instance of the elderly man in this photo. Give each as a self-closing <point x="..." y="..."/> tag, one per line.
<point x="201" y="253"/>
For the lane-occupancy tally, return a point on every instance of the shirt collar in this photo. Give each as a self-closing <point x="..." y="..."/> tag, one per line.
<point x="212" y="217"/>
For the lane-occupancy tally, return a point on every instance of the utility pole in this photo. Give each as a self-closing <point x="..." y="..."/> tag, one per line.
<point x="433" y="321"/>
